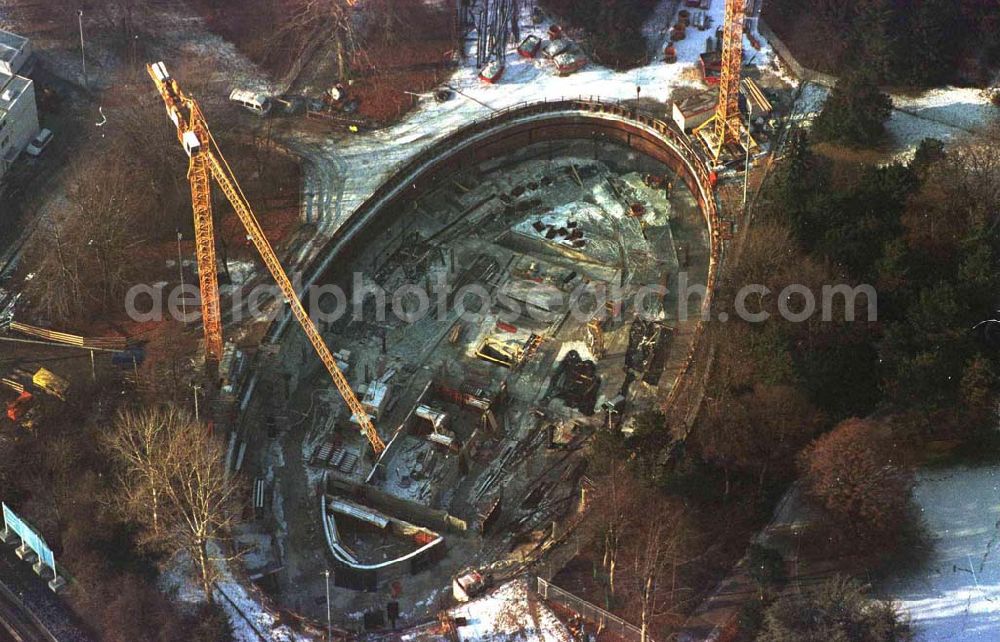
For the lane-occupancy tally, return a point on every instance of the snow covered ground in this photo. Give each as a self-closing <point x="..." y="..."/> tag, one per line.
<point x="948" y="114"/>
<point x="250" y="619"/>
<point x="347" y="169"/>
<point x="509" y="613"/>
<point x="955" y="596"/>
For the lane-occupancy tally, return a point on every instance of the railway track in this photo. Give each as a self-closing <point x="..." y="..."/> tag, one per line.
<point x="29" y="611"/>
<point x="17" y="623"/>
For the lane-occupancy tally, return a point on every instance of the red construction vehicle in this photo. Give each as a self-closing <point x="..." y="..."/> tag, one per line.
<point x="20" y="409"/>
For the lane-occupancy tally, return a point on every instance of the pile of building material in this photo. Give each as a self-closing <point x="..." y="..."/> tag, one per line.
<point x="576" y="382"/>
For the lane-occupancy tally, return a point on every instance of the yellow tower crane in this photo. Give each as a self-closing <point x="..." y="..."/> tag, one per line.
<point x="726" y="125"/>
<point x="206" y="162"/>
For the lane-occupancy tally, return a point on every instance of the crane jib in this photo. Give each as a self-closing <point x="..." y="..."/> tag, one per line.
<point x="207" y="161"/>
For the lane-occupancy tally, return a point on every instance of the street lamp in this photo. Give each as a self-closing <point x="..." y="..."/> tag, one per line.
<point x="196" y="388"/>
<point x="180" y="270"/>
<point x="83" y="56"/>
<point x="746" y="170"/>
<point x="329" y="625"/>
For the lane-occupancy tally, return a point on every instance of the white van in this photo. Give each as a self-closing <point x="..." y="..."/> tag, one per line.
<point x="39" y="143"/>
<point x="257" y="103"/>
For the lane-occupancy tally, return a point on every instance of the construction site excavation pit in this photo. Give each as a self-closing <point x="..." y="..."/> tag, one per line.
<point x="524" y="309"/>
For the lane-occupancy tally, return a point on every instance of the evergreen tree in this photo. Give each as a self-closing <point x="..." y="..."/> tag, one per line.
<point x="855" y="113"/>
<point x="875" y="43"/>
<point x="979" y="384"/>
<point x="929" y="152"/>
<point x="932" y="47"/>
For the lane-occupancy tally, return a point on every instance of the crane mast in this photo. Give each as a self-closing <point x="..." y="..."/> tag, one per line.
<point x="206" y="162"/>
<point x="726" y="125"/>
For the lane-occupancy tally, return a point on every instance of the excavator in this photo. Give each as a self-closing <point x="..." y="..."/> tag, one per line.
<point x="205" y="163"/>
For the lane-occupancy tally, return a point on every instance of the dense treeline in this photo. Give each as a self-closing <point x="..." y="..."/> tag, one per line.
<point x="926" y="235"/>
<point x="848" y="407"/>
<point x="615" y="27"/>
<point x="903" y="42"/>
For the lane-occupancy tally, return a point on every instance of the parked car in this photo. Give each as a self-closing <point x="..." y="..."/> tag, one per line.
<point x="567" y="63"/>
<point x="257" y="103"/>
<point x="555" y="47"/>
<point x="492" y="72"/>
<point x="39" y="143"/>
<point x="529" y="46"/>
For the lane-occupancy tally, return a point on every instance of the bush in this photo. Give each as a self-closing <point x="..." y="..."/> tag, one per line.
<point x="834" y="610"/>
<point x="211" y="624"/>
<point x="853" y="474"/>
<point x="766" y="567"/>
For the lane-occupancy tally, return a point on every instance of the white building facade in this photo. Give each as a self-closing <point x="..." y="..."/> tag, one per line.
<point x="18" y="111"/>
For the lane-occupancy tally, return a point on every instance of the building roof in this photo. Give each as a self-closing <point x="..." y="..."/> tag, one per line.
<point x="699" y="103"/>
<point x="10" y="45"/>
<point x="11" y="88"/>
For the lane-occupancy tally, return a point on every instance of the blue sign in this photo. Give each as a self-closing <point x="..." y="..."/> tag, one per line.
<point x="30" y="538"/>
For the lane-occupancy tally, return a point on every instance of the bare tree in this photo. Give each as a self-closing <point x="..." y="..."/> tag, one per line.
<point x="140" y="441"/>
<point x="333" y="20"/>
<point x="57" y="276"/>
<point x="83" y="254"/>
<point x="203" y="497"/>
<point x="610" y="512"/>
<point x="175" y="484"/>
<point x="660" y="546"/>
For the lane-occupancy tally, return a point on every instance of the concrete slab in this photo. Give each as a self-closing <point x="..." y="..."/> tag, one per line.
<point x="42" y="570"/>
<point x="26" y="554"/>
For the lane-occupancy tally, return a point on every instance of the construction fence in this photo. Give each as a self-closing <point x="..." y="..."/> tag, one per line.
<point x="605" y="621"/>
<point x="801" y="71"/>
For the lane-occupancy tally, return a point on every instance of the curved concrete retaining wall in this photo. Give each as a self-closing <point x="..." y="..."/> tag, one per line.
<point x="500" y="133"/>
<point x="369" y="577"/>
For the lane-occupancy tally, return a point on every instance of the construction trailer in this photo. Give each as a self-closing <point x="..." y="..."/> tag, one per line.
<point x="695" y="110"/>
<point x="569" y="62"/>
